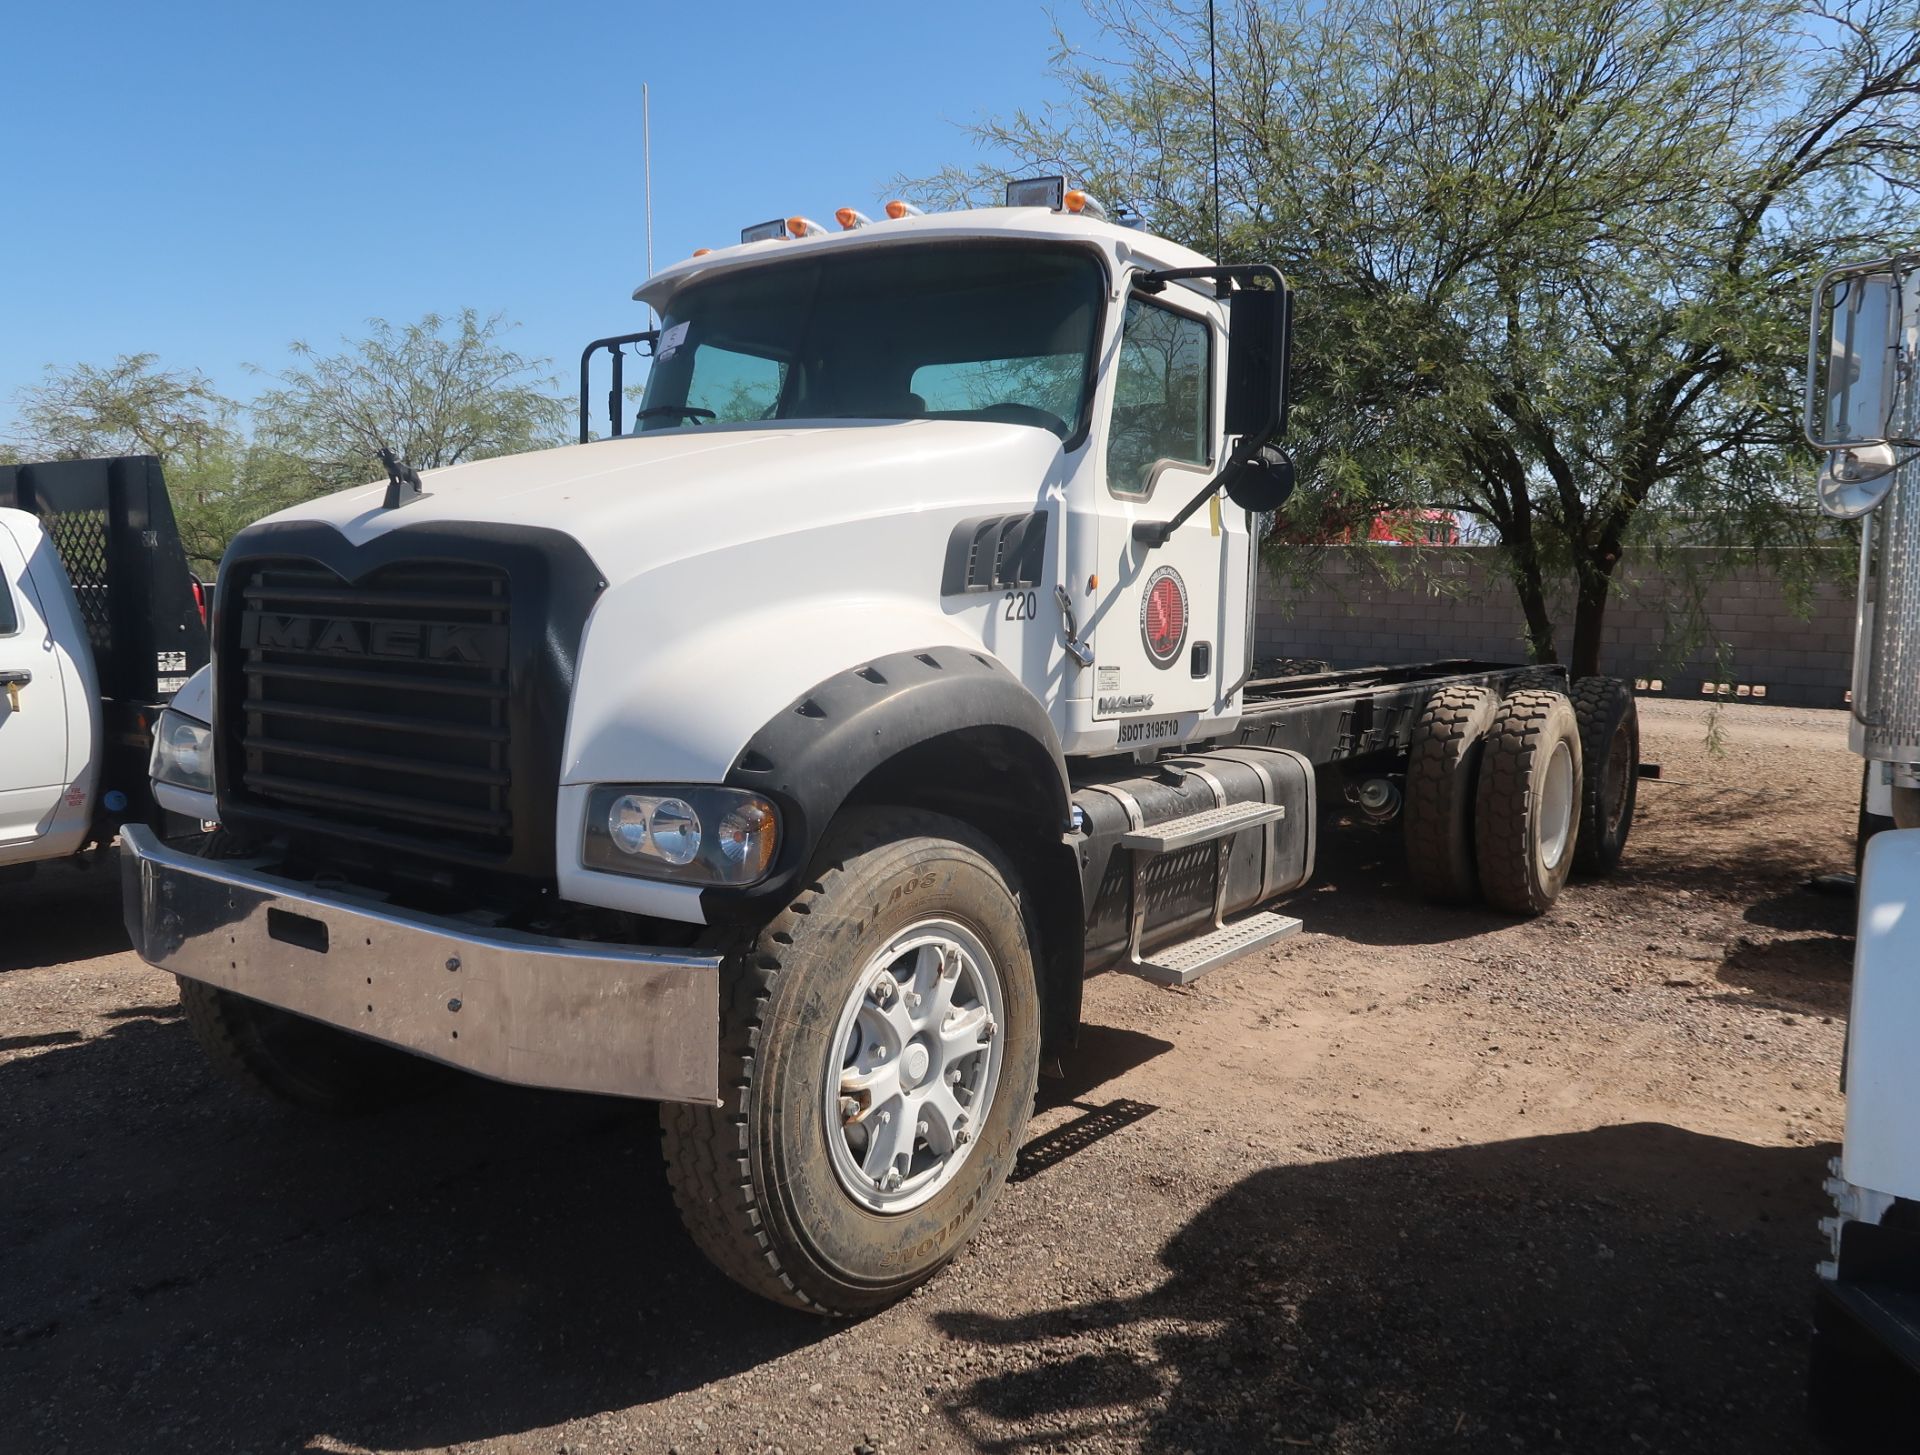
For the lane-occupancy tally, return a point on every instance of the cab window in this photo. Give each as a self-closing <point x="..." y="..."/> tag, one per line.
<point x="1162" y="397"/>
<point x="9" y="614"/>
<point x="736" y="386"/>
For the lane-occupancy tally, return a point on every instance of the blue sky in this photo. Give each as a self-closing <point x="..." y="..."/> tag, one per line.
<point x="208" y="181"/>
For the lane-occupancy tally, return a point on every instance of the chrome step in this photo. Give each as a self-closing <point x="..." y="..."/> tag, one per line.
<point x="1186" y="962"/>
<point x="1201" y="828"/>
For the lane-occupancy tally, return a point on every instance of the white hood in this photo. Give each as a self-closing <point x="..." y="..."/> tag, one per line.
<point x="641" y="501"/>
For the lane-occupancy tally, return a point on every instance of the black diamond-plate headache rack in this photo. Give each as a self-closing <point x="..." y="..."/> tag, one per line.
<point x="111" y="525"/>
<point x="80" y="539"/>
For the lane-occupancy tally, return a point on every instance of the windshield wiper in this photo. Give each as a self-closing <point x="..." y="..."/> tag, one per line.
<point x="677" y="411"/>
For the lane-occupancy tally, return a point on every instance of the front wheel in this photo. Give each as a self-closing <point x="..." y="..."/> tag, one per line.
<point x="879" y="1049"/>
<point x="298" y="1061"/>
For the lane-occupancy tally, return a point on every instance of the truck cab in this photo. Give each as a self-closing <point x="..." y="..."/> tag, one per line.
<point x="791" y="753"/>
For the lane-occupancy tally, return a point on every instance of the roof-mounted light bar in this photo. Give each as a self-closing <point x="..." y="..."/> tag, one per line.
<point x="805" y="227"/>
<point x="850" y="218"/>
<point x="897" y="209"/>
<point x="1053" y="194"/>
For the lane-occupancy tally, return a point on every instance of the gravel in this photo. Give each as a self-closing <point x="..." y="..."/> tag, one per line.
<point x="1416" y="1180"/>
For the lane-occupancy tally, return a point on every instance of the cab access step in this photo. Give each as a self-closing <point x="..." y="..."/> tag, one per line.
<point x="1187" y="961"/>
<point x="1201" y="844"/>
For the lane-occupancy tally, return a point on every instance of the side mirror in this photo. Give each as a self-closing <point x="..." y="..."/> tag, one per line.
<point x="1853" y="357"/>
<point x="1264" y="482"/>
<point x="1259" y="343"/>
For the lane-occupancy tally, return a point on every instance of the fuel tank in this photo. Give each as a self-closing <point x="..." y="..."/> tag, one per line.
<point x="1264" y="861"/>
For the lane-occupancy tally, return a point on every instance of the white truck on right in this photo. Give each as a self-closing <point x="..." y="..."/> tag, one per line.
<point x="1860" y="410"/>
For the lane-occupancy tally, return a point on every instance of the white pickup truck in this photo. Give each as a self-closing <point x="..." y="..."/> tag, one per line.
<point x="100" y="623"/>
<point x="793" y="759"/>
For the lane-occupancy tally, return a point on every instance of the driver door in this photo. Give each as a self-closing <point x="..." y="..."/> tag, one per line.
<point x="1161" y="622"/>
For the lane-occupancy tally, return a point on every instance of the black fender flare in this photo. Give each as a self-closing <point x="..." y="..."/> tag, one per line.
<point x="814" y="753"/>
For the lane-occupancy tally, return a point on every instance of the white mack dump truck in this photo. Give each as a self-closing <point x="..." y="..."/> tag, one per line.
<point x="1862" y="409"/>
<point x="793" y="758"/>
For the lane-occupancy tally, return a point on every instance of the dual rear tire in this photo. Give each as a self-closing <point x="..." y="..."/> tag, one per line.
<point x="1507" y="797"/>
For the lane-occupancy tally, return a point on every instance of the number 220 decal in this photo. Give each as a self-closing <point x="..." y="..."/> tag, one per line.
<point x="1023" y="606"/>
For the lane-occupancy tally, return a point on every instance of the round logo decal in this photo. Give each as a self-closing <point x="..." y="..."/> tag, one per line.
<point x="1163" y="616"/>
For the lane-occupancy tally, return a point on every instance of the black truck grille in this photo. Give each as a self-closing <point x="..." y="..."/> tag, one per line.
<point x="380" y="704"/>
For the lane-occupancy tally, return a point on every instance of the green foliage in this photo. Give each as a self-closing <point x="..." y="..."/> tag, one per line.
<point x="436" y="392"/>
<point x="1553" y="256"/>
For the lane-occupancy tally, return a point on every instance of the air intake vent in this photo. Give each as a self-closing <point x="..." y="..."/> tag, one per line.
<point x="996" y="553"/>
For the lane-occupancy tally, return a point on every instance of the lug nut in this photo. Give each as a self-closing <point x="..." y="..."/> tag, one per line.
<point x="885" y="1117"/>
<point x="849" y="1109"/>
<point x="988" y="1030"/>
<point x="953" y="1077"/>
<point x="891" y="1181"/>
<point x="920" y="1129"/>
<point x="913" y="1000"/>
<point x="881" y="991"/>
<point x="961" y="1136"/>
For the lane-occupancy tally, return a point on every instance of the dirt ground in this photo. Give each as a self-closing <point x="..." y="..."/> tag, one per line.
<point x="1418" y="1180"/>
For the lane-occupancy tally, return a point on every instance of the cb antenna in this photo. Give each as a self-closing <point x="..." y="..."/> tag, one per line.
<point x="1213" y="98"/>
<point x="646" y="167"/>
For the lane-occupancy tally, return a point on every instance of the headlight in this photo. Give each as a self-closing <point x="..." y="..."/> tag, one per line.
<point x="695" y="834"/>
<point x="182" y="752"/>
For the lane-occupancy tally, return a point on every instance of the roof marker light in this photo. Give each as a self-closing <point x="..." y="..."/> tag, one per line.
<point x="701" y="252"/>
<point x="1078" y="201"/>
<point x="851" y="217"/>
<point x="897" y="209"/>
<point x="805" y="227"/>
<point x="1038" y="192"/>
<point x="764" y="231"/>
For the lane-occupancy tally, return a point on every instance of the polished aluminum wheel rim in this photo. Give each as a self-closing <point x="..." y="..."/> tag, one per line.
<point x="915" y="1060"/>
<point x="1556" y="806"/>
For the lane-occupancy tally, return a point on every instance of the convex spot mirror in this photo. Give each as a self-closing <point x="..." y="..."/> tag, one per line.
<point x="1263" y="484"/>
<point x="1853" y="360"/>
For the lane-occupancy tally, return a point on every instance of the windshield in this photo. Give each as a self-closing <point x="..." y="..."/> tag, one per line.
<point x="916" y="332"/>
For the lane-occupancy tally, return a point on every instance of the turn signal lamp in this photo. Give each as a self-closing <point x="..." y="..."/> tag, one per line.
<point x="897" y="209"/>
<point x="1078" y="202"/>
<point x="851" y="217"/>
<point x="805" y="227"/>
<point x="764" y="231"/>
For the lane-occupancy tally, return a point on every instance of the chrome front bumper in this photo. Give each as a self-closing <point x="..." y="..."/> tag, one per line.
<point x="567" y="1014"/>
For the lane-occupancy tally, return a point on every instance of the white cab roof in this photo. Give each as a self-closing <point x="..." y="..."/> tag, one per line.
<point x="1122" y="245"/>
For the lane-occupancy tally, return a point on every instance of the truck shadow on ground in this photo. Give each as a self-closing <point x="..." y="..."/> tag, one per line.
<point x="189" y="1268"/>
<point x="63" y="913"/>
<point x="1632" y="1287"/>
<point x="186" y="1268"/>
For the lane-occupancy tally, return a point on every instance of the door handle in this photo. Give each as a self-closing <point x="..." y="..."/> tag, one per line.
<point x="13" y="679"/>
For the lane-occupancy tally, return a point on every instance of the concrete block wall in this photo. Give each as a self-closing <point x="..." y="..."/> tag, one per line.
<point x="1455" y="602"/>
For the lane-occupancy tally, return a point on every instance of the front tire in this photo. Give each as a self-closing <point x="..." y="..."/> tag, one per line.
<point x="298" y="1061"/>
<point x="879" y="1052"/>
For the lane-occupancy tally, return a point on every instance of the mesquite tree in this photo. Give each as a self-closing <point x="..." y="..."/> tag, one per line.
<point x="1553" y="255"/>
